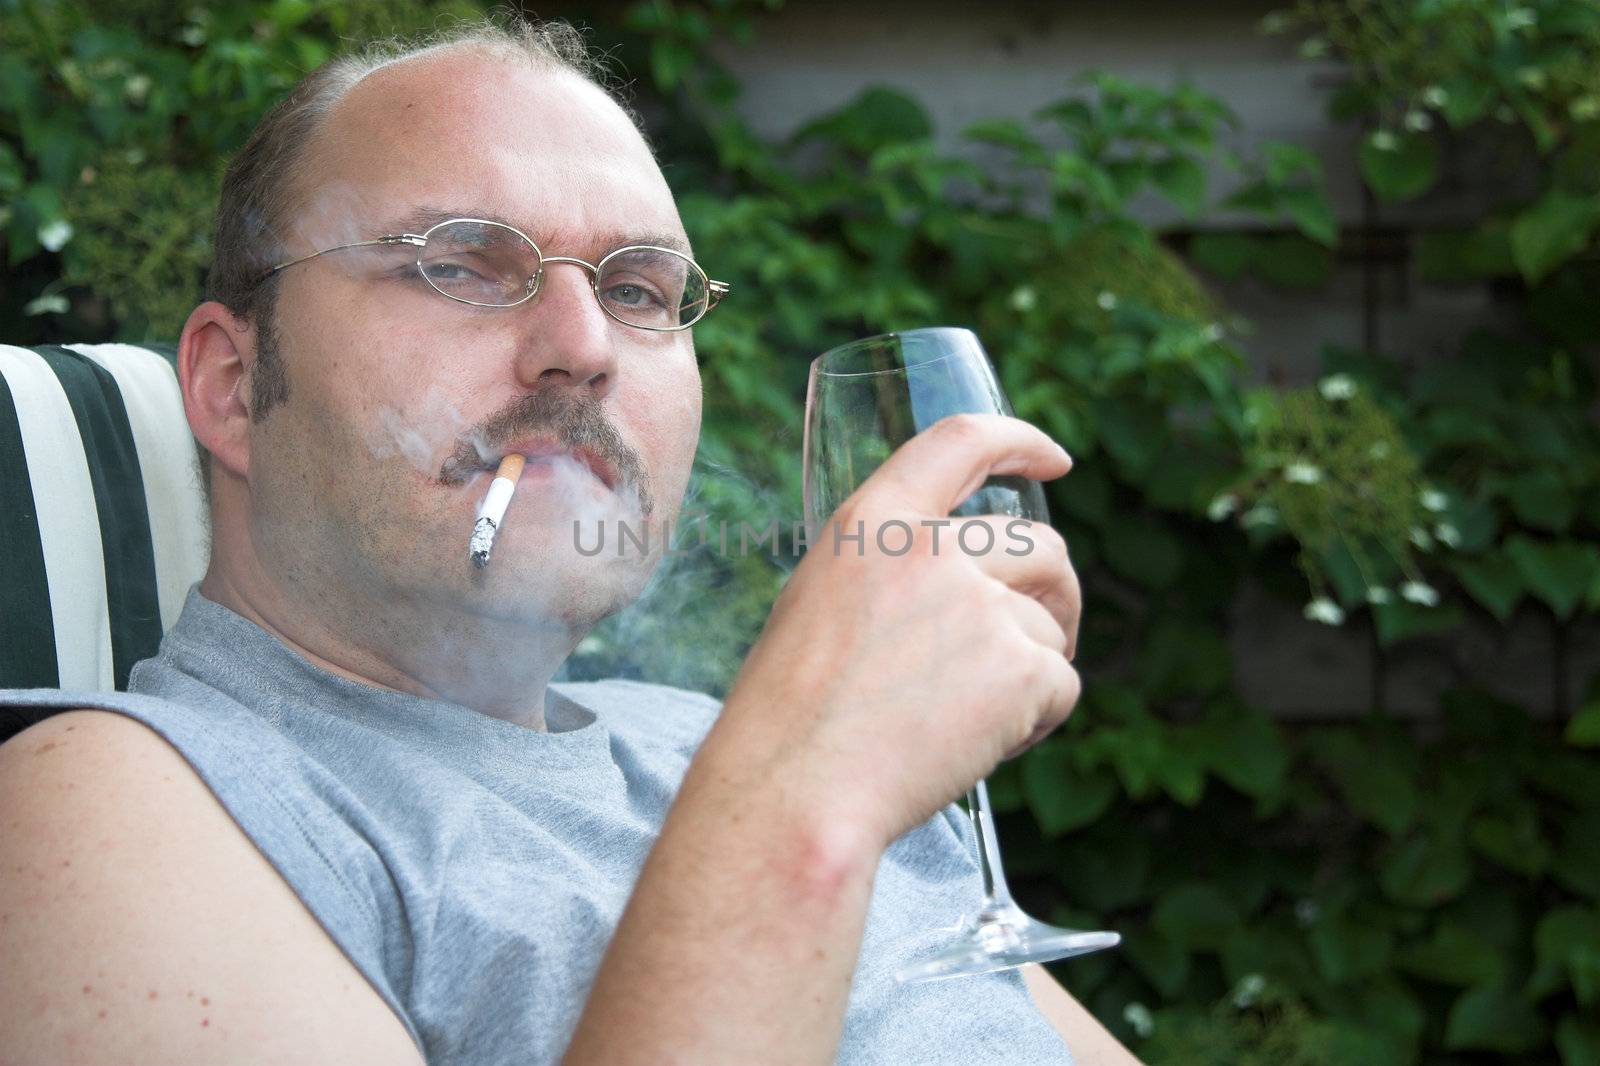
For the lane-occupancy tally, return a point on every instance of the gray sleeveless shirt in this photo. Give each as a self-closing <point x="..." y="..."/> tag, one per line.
<point x="473" y="870"/>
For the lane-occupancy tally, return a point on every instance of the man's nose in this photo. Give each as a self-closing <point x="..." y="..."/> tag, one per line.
<point x="569" y="339"/>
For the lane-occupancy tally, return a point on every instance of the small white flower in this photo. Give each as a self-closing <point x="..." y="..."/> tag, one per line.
<point x="1248" y="991"/>
<point x="1222" y="506"/>
<point x="49" y="304"/>
<point x="1379" y="451"/>
<point x="1107" y="301"/>
<point x="1023" y="298"/>
<point x="590" y="644"/>
<point x="1262" y="514"/>
<point x="137" y="87"/>
<point x="1447" y="534"/>
<point x="1377" y="595"/>
<point x="1420" y="592"/>
<point x="1212" y="333"/>
<point x="55" y="234"/>
<point x="1274" y="24"/>
<point x="1325" y="611"/>
<point x="1384" y="141"/>
<point x="1337" y="387"/>
<point x="1139" y="1017"/>
<point x="1421" y="538"/>
<point x="1434" y="96"/>
<point x="1417" y="121"/>
<point x="1302" y="473"/>
<point x="1433" y="500"/>
<point x="1307" y="911"/>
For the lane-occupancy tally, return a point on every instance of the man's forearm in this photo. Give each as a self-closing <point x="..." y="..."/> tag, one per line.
<point x="742" y="935"/>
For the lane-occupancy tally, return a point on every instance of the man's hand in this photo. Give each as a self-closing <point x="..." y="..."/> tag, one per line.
<point x="882" y="687"/>
<point x="886" y="685"/>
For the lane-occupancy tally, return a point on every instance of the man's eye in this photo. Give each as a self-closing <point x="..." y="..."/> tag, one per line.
<point x="447" y="270"/>
<point x="628" y="295"/>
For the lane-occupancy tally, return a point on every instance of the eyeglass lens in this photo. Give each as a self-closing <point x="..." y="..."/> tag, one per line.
<point x="489" y="264"/>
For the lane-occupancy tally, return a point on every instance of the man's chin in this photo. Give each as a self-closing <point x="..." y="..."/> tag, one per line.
<point x="560" y="589"/>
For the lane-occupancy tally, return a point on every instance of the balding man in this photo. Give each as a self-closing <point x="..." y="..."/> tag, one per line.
<point x="346" y="817"/>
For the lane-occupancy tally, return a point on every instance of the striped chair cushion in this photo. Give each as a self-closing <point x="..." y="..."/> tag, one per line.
<point x="102" y="517"/>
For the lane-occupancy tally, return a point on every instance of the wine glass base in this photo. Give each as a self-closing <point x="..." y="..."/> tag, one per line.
<point x="1002" y="940"/>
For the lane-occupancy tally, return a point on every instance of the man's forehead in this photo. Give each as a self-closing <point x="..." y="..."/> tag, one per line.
<point x="486" y="136"/>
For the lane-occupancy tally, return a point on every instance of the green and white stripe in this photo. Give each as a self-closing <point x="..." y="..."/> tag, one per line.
<point x="101" y="521"/>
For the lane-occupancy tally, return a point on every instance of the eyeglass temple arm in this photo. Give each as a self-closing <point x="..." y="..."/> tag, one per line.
<point x="717" y="289"/>
<point x="394" y="238"/>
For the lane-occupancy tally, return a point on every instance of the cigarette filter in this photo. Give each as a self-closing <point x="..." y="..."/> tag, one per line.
<point x="492" y="511"/>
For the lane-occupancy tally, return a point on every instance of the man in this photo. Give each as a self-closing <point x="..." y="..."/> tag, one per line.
<point x="344" y="817"/>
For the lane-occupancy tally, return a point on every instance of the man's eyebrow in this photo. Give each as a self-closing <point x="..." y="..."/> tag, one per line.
<point x="420" y="219"/>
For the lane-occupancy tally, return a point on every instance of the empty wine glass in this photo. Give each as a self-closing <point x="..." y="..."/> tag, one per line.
<point x="863" y="401"/>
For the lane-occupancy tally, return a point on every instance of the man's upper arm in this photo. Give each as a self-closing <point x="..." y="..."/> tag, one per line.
<point x="139" y="924"/>
<point x="1087" y="1039"/>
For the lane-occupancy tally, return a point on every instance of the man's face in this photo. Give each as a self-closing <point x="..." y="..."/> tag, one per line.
<point x="359" y="487"/>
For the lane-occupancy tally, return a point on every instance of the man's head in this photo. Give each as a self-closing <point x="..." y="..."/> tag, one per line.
<point x="343" y="400"/>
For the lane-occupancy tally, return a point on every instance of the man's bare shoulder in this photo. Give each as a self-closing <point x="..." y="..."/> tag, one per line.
<point x="138" y="923"/>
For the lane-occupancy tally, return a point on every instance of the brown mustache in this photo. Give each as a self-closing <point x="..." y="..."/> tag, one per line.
<point x="575" y="420"/>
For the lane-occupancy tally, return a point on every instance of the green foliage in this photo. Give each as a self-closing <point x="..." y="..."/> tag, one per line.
<point x="1362" y="893"/>
<point x="115" y="122"/>
<point x="1524" y="77"/>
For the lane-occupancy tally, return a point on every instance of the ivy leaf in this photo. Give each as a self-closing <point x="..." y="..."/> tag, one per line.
<point x="1143" y="550"/>
<point x="1376" y="783"/>
<point x="1399" y="620"/>
<point x="1584" y="729"/>
<point x="1347" y="950"/>
<point x="1494" y="581"/>
<point x="1453" y="956"/>
<point x="1512" y="840"/>
<point x="1227" y="255"/>
<point x="1577" y="862"/>
<point x="1061" y="796"/>
<point x="1565" y="944"/>
<point x="1578" y="1041"/>
<point x="1195" y="916"/>
<point x="1551" y="231"/>
<point x="877" y="117"/>
<point x="1399" y="166"/>
<point x="1182" y="181"/>
<point x="1244" y="749"/>
<point x="1559" y="572"/>
<point x="1492" y="1018"/>
<point x="1312" y="214"/>
<point x="1292" y="262"/>
<point x="1425" y="871"/>
<point x="1162" y="961"/>
<point x="1542" y="500"/>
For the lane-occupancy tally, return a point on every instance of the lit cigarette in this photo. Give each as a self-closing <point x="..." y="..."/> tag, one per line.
<point x="492" y="511"/>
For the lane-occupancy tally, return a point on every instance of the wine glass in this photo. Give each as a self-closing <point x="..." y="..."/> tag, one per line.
<point x="865" y="399"/>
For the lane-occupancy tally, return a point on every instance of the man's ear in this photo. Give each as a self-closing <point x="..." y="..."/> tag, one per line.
<point x="215" y="353"/>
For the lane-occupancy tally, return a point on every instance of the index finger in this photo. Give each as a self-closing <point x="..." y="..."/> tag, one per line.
<point x="947" y="462"/>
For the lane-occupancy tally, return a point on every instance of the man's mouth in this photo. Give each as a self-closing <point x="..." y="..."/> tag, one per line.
<point x="549" y="452"/>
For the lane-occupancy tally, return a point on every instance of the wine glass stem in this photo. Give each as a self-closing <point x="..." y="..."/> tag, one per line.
<point x="996" y="895"/>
